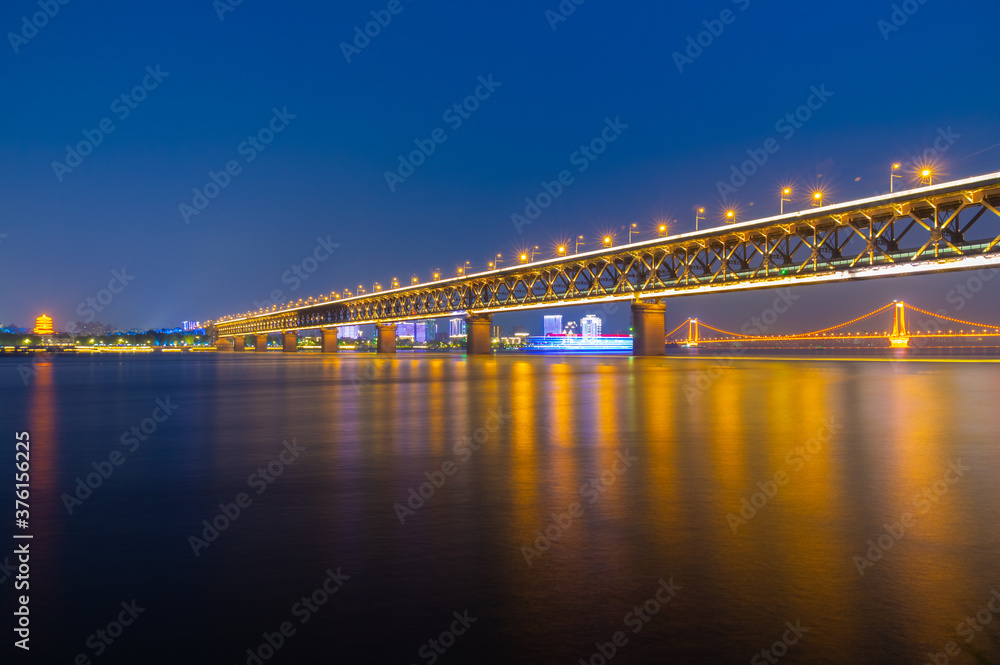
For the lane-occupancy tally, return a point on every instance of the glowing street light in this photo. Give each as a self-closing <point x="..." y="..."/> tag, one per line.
<point x="524" y="257"/>
<point x="414" y="279"/>
<point x="731" y="216"/>
<point x="579" y="241"/>
<point x="437" y="275"/>
<point x="893" y="176"/>
<point x="698" y="217"/>
<point x="786" y="195"/>
<point x="561" y="250"/>
<point x="499" y="259"/>
<point x="632" y="229"/>
<point x="662" y="230"/>
<point x="817" y="198"/>
<point x="927" y="174"/>
<point x="607" y="241"/>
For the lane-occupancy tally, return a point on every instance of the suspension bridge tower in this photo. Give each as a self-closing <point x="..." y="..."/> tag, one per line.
<point x="900" y="337"/>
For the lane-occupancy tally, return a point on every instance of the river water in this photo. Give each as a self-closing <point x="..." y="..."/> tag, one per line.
<point x="516" y="509"/>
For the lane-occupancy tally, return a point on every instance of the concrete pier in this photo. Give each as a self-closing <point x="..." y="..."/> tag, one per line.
<point x="290" y="342"/>
<point x="649" y="329"/>
<point x="241" y="343"/>
<point x="260" y="343"/>
<point x="477" y="334"/>
<point x="223" y="345"/>
<point x="386" y="338"/>
<point x="329" y="340"/>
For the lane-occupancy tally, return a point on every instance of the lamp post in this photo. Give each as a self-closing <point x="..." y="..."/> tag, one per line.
<point x="579" y="241"/>
<point x="561" y="251"/>
<point x="607" y="241"/>
<point x="698" y="217"/>
<point x="817" y="199"/>
<point x="927" y="174"/>
<point x="893" y="176"/>
<point x="632" y="229"/>
<point x="662" y="231"/>
<point x="731" y="216"/>
<point x="786" y="195"/>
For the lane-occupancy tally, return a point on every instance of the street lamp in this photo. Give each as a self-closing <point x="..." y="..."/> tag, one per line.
<point x="499" y="257"/>
<point x="632" y="229"/>
<point x="437" y="275"/>
<point x="731" y="216"/>
<point x="817" y="199"/>
<point x="927" y="174"/>
<point x="698" y="216"/>
<point x="524" y="258"/>
<point x="533" y="251"/>
<point x="414" y="279"/>
<point x="561" y="250"/>
<point x="893" y="176"/>
<point x="786" y="195"/>
<point x="579" y="241"/>
<point x="662" y="230"/>
<point x="607" y="241"/>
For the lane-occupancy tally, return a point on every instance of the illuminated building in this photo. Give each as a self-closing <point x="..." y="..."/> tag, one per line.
<point x="456" y="327"/>
<point x="405" y="329"/>
<point x="553" y="325"/>
<point x="43" y="325"/>
<point x="422" y="331"/>
<point x="590" y="326"/>
<point x="349" y="332"/>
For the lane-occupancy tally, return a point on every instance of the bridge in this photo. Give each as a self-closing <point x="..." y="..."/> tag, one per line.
<point x="898" y="334"/>
<point x="938" y="228"/>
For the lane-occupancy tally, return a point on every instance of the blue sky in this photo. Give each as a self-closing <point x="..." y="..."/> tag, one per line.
<point x="889" y="94"/>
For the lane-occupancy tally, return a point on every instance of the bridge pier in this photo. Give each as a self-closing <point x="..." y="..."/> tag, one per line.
<point x="329" y="340"/>
<point x="223" y="345"/>
<point x="240" y="344"/>
<point x="386" y="338"/>
<point x="290" y="342"/>
<point x="649" y="329"/>
<point x="477" y="334"/>
<point x="260" y="343"/>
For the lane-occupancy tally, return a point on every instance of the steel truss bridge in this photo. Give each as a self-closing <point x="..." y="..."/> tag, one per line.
<point x="949" y="226"/>
<point x="897" y="335"/>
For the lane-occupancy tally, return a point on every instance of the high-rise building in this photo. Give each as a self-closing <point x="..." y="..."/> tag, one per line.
<point x="188" y="326"/>
<point x="456" y="327"/>
<point x="404" y="329"/>
<point x="349" y="332"/>
<point x="43" y="325"/>
<point x="553" y="324"/>
<point x="590" y="326"/>
<point x="420" y="332"/>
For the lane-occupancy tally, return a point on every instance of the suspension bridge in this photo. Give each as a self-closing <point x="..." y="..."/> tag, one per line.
<point x="893" y="328"/>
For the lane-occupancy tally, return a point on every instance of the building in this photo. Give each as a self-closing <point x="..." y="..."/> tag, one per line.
<point x="405" y="330"/>
<point x="497" y="332"/>
<point x="43" y="325"/>
<point x="456" y="328"/>
<point x="590" y="326"/>
<point x="423" y="331"/>
<point x="188" y="326"/>
<point x="553" y="324"/>
<point x="349" y="332"/>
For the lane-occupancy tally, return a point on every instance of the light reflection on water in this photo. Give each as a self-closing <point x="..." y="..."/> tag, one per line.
<point x="373" y="428"/>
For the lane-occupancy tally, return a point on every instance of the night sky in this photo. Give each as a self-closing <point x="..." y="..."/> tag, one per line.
<point x="211" y="76"/>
